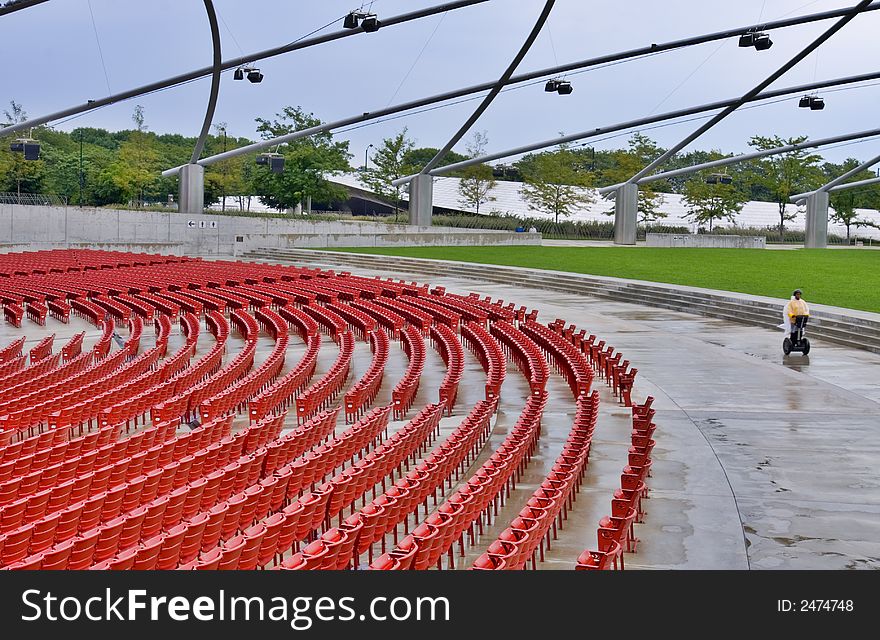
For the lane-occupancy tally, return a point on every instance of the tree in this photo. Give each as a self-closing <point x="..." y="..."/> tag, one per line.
<point x="845" y="203"/>
<point x="785" y="174"/>
<point x="710" y="202"/>
<point x="628" y="162"/>
<point x="389" y="165"/>
<point x="135" y="167"/>
<point x="477" y="181"/>
<point x="418" y="157"/>
<point x="307" y="162"/>
<point x="555" y="182"/>
<point x="15" y="114"/>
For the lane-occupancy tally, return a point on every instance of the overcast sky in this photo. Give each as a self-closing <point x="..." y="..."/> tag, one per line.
<point x="52" y="61"/>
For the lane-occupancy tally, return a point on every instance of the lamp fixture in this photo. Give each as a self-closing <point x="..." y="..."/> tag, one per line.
<point x="757" y="39"/>
<point x="368" y="21"/>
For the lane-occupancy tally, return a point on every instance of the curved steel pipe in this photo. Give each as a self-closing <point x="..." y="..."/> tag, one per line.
<point x="496" y="89"/>
<point x="215" y="81"/>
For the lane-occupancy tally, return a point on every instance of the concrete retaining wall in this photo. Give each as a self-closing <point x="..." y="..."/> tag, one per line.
<point x="856" y="329"/>
<point x="34" y="228"/>
<point x="705" y="241"/>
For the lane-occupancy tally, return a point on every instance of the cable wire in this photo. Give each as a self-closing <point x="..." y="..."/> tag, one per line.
<point x="418" y="57"/>
<point x="100" y="51"/>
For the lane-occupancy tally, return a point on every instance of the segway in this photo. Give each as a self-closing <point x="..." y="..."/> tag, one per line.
<point x="797" y="341"/>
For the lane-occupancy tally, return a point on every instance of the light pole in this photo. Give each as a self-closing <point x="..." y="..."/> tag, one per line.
<point x="80" y="167"/>
<point x="366" y="161"/>
<point x="223" y="199"/>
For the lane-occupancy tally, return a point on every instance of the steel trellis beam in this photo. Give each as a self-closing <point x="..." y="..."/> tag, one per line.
<point x="815" y="44"/>
<point x="806" y="144"/>
<point x="838" y="181"/>
<point x="517" y="79"/>
<point x="25" y="4"/>
<point x="231" y="64"/>
<point x="641" y="122"/>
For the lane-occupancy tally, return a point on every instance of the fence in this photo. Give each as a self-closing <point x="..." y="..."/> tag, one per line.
<point x="34" y="199"/>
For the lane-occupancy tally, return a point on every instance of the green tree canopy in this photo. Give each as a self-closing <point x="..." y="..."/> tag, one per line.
<point x="555" y="182"/>
<point x="709" y="201"/>
<point x="389" y="164"/>
<point x="307" y="161"/>
<point x="476" y="181"/>
<point x="626" y="163"/>
<point x="784" y="175"/>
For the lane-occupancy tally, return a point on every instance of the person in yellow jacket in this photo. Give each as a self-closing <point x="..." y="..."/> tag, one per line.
<point x="795" y="307"/>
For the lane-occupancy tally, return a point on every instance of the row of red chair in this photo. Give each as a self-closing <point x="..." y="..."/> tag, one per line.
<point x="363" y="392"/>
<point x="258" y="380"/>
<point x="67" y="375"/>
<point x="361" y="323"/>
<point x="339" y="547"/>
<point x="163" y="469"/>
<point x="404" y="392"/>
<point x="488" y="352"/>
<point x="387" y="512"/>
<point x="65" y="260"/>
<point x="37" y="311"/>
<point x="390" y="320"/>
<point x="12" y="351"/>
<point x="548" y="506"/>
<point x="484" y="491"/>
<point x="319" y="395"/>
<point x="73" y="348"/>
<point x="445" y="341"/>
<point x="609" y="365"/>
<point x="616" y="533"/>
<point x="567" y="359"/>
<point x="524" y="353"/>
<point x="286" y="389"/>
<point x="13" y="314"/>
<point x="43" y="349"/>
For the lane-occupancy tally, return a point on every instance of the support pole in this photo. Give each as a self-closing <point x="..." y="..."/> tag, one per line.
<point x="816" y="236"/>
<point x="421" y="200"/>
<point x="626" y="211"/>
<point x="192" y="189"/>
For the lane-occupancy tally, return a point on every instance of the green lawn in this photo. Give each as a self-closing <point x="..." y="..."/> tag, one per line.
<point x="839" y="277"/>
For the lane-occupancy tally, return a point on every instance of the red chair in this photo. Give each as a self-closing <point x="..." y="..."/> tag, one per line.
<point x="250" y="554"/>
<point x="214" y="527"/>
<point x="191" y="546"/>
<point x="599" y="560"/>
<point x="124" y="561"/>
<point x="296" y="562"/>
<point x="32" y="563"/>
<point x="83" y="550"/>
<point x="148" y="554"/>
<point x="108" y="540"/>
<point x="405" y="552"/>
<point x="131" y="530"/>
<point x="386" y="562"/>
<point x="231" y="555"/>
<point x="274" y="525"/>
<point x="57" y="558"/>
<point x="210" y="561"/>
<point x="315" y="552"/>
<point x="169" y="555"/>
<point x="488" y="562"/>
<point x="44" y="533"/>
